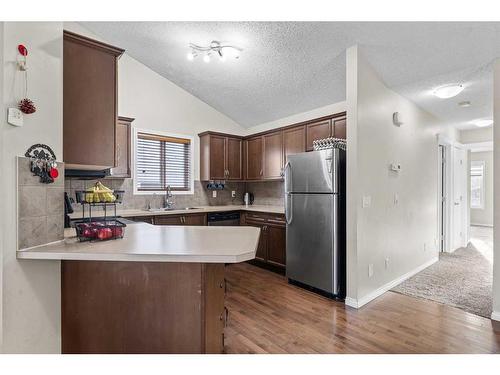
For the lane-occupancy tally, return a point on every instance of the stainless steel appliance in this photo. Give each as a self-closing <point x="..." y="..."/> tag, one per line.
<point x="223" y="219"/>
<point x="315" y="220"/>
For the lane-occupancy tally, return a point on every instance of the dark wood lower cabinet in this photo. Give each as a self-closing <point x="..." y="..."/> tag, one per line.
<point x="191" y="219"/>
<point x="142" y="307"/>
<point x="272" y="243"/>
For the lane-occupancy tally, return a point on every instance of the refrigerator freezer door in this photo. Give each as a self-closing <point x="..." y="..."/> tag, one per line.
<point x="311" y="172"/>
<point x="311" y="252"/>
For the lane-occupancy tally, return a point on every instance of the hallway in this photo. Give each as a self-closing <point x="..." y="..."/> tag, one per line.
<point x="460" y="279"/>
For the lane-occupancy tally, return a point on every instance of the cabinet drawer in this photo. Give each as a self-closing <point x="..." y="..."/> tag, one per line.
<point x="194" y="219"/>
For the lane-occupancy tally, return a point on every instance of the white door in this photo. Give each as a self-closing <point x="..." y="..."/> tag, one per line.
<point x="459" y="202"/>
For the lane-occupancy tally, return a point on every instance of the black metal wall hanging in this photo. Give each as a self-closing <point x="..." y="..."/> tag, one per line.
<point x="43" y="162"/>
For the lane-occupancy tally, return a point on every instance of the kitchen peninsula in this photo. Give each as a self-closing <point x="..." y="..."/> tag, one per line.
<point x="160" y="289"/>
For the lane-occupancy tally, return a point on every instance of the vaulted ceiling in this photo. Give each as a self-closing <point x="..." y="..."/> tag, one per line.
<point x="291" y="67"/>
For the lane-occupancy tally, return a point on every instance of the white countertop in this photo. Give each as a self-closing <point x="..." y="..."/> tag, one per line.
<point x="198" y="209"/>
<point x="148" y="243"/>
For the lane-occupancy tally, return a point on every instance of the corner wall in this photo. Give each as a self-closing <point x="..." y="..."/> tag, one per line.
<point x="400" y="223"/>
<point x="30" y="289"/>
<point x="496" y="189"/>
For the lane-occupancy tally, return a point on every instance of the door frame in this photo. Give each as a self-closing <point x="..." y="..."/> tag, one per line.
<point x="445" y="214"/>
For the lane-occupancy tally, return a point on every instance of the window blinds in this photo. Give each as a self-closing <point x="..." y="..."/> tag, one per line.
<point x="162" y="161"/>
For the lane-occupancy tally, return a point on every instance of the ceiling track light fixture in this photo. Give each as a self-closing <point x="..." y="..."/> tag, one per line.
<point x="215" y="48"/>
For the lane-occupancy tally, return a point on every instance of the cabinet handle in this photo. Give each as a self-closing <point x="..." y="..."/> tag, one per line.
<point x="261" y="172"/>
<point x="227" y="316"/>
<point x="221" y="285"/>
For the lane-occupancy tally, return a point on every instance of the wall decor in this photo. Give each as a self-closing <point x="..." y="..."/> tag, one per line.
<point x="26" y="105"/>
<point x="43" y="162"/>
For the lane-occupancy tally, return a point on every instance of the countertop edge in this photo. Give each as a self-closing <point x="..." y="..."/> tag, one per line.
<point x="23" y="254"/>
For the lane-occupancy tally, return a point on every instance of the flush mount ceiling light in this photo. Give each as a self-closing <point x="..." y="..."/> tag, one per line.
<point x="483" y="123"/>
<point x="222" y="51"/>
<point x="448" y="91"/>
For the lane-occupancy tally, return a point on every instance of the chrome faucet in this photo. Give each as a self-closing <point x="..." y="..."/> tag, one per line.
<point x="167" y="203"/>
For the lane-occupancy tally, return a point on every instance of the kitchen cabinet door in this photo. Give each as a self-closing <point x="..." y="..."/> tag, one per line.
<point x="217" y="157"/>
<point x="317" y="130"/>
<point x="294" y="141"/>
<point x="89" y="102"/>
<point x="254" y="158"/>
<point x="195" y="219"/>
<point x="261" y="253"/>
<point x="340" y="128"/>
<point x="122" y="148"/>
<point x="234" y="159"/>
<point x="276" y="244"/>
<point x="273" y="155"/>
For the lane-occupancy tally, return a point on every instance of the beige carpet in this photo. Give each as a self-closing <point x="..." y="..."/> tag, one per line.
<point x="461" y="279"/>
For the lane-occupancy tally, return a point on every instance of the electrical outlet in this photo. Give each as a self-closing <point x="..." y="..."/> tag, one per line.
<point x="370" y="270"/>
<point x="386" y="263"/>
<point x="214" y="193"/>
<point x="233" y="194"/>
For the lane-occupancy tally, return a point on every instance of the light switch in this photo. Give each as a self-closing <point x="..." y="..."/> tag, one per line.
<point x="214" y="193"/>
<point x="367" y="201"/>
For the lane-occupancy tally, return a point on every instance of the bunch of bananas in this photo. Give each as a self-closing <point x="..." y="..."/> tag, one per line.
<point x="99" y="194"/>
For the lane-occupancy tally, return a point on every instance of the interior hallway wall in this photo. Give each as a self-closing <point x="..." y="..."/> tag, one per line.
<point x="31" y="321"/>
<point x="496" y="188"/>
<point x="2" y="116"/>
<point x="484" y="216"/>
<point x="392" y="216"/>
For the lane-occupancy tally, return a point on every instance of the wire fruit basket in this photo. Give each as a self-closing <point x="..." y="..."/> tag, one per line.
<point x="106" y="226"/>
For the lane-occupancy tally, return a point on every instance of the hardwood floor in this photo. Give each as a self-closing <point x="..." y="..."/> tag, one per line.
<point x="267" y="315"/>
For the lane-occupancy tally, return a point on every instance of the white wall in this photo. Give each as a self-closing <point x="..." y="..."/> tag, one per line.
<point x="2" y="116"/>
<point x="496" y="188"/>
<point x="405" y="233"/>
<point x="484" y="216"/>
<point x="298" y="117"/>
<point x="31" y="289"/>
<point x="476" y="135"/>
<point x="158" y="104"/>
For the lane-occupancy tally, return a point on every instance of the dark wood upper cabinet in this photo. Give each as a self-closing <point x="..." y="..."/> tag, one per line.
<point x="272" y="155"/>
<point x="217" y="157"/>
<point x="234" y="158"/>
<point x="317" y="130"/>
<point x="253" y="158"/>
<point x="122" y="148"/>
<point x="262" y="156"/>
<point x="89" y="102"/>
<point x="339" y="126"/>
<point x="294" y="141"/>
<point x="220" y="157"/>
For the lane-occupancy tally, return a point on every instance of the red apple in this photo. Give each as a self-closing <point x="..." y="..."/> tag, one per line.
<point x="88" y="233"/>
<point x="117" y="232"/>
<point x="104" y="233"/>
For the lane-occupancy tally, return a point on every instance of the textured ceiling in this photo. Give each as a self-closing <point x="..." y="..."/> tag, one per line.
<point x="291" y="67"/>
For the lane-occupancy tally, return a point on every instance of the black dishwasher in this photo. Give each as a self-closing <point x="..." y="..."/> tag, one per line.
<point x="223" y="219"/>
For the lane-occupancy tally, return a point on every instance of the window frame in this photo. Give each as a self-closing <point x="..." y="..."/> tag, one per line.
<point x="481" y="163"/>
<point x="160" y="133"/>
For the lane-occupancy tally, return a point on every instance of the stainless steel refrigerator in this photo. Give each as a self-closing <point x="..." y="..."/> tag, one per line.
<point x="315" y="220"/>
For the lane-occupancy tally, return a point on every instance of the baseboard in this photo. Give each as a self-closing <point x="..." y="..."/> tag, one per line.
<point x="357" y="303"/>
<point x="495" y="315"/>
<point x="351" y="302"/>
<point x="481" y="225"/>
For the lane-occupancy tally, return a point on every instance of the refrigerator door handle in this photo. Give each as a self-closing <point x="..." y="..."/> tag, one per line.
<point x="288" y="210"/>
<point x="288" y="177"/>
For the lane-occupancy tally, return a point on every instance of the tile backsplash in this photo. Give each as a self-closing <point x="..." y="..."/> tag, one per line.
<point x="40" y="207"/>
<point x="267" y="193"/>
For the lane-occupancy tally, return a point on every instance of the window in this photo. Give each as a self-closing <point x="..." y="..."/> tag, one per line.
<point x="162" y="161"/>
<point x="477" y="184"/>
